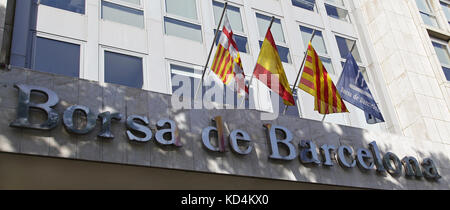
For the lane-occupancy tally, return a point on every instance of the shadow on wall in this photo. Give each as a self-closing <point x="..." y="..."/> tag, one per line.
<point x="193" y="155"/>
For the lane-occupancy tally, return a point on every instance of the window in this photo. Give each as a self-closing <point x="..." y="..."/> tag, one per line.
<point x="77" y="6"/>
<point x="57" y="57"/>
<point x="278" y="36"/>
<point x="123" y="69"/>
<point x="336" y="9"/>
<point x="241" y="42"/>
<point x="446" y="9"/>
<point x="426" y="12"/>
<point x="235" y="18"/>
<point x="319" y="45"/>
<point x="443" y="56"/>
<point x="305" y="4"/>
<point x="181" y="20"/>
<point x="122" y="14"/>
<point x="292" y="111"/>
<point x="190" y="78"/>
<point x="345" y="45"/>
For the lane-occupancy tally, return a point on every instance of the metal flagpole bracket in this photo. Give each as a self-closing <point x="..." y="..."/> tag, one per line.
<point x="211" y="49"/>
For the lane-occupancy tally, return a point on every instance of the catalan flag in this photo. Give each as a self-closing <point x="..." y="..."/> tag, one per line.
<point x="316" y="81"/>
<point x="227" y="64"/>
<point x="269" y="64"/>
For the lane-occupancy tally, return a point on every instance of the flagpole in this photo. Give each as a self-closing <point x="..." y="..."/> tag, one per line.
<point x="301" y="70"/>
<point x="211" y="49"/>
<point x="251" y="78"/>
<point x="351" y="50"/>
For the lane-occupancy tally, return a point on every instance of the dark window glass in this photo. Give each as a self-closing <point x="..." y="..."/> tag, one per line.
<point x="283" y="52"/>
<point x="241" y="42"/>
<point x="57" y="57"/>
<point x="332" y="11"/>
<point x="345" y="46"/>
<point x="123" y="70"/>
<point x="447" y="73"/>
<point x="77" y="6"/>
<point x="305" y="4"/>
<point x="195" y="82"/>
<point x="291" y="111"/>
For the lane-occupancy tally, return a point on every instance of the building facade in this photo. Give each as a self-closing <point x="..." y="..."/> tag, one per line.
<point x="127" y="57"/>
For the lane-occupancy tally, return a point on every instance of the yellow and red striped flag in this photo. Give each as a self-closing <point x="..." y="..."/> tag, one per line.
<point x="316" y="81"/>
<point x="227" y="64"/>
<point x="269" y="64"/>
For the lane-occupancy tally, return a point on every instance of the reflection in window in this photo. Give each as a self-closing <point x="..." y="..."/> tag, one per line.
<point x="122" y="14"/>
<point x="77" y="6"/>
<point x="336" y="12"/>
<point x="444" y="58"/>
<point x="182" y="8"/>
<point x="277" y="29"/>
<point x="183" y="29"/>
<point x="426" y="13"/>
<point x="305" y="4"/>
<point x="446" y="8"/>
<point x="317" y="42"/>
<point x="123" y="70"/>
<point x="57" y="57"/>
<point x="137" y="2"/>
<point x="233" y="13"/>
<point x="345" y="46"/>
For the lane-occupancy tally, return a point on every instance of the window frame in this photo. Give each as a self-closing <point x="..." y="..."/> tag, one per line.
<point x="283" y="29"/>
<point x="315" y="8"/>
<point x="432" y="15"/>
<point x="243" y="20"/>
<point x="324" y="36"/>
<point x="197" y="22"/>
<point x="140" y="6"/>
<point x="448" y="5"/>
<point x="54" y="37"/>
<point x="283" y="106"/>
<point x="347" y="17"/>
<point x="84" y="13"/>
<point x="181" y="18"/>
<point x="362" y="65"/>
<point x="438" y="41"/>
<point x="124" y="4"/>
<point x="102" y="71"/>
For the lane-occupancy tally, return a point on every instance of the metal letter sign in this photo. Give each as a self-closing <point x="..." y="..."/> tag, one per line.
<point x="24" y="106"/>
<point x="68" y="119"/>
<point x="280" y="138"/>
<point x="274" y="141"/>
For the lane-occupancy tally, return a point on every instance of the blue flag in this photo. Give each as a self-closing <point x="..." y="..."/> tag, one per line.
<point x="353" y="88"/>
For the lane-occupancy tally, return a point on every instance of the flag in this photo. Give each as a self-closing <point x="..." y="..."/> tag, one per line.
<point x="269" y="64"/>
<point x="227" y="64"/>
<point x="354" y="90"/>
<point x="316" y="81"/>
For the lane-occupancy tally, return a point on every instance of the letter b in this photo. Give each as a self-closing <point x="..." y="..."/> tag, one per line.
<point x="23" y="110"/>
<point x="274" y="141"/>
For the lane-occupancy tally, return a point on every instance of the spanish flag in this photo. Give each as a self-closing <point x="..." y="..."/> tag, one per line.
<point x="269" y="64"/>
<point x="316" y="81"/>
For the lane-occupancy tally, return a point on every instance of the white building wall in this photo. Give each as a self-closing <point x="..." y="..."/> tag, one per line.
<point x="159" y="51"/>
